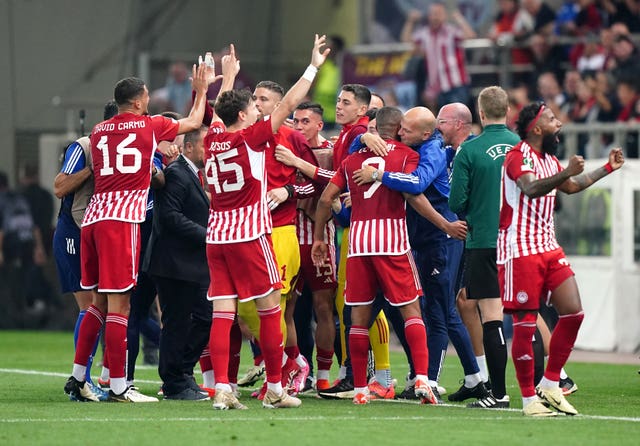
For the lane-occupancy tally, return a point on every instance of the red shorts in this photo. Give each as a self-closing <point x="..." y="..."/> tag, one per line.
<point x="109" y="253"/>
<point x="317" y="277"/>
<point x="246" y="270"/>
<point x="525" y="281"/>
<point x="397" y="277"/>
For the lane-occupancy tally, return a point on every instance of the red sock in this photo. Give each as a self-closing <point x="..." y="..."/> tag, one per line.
<point x="292" y="352"/>
<point x="271" y="342"/>
<point x="522" y="352"/>
<point x="115" y="336"/>
<point x="234" y="352"/>
<point x="324" y="358"/>
<point x="257" y="360"/>
<point x="88" y="335"/>
<point x="416" y="336"/>
<point x="359" y="352"/>
<point x="205" y="361"/>
<point x="219" y="344"/>
<point x="563" y="339"/>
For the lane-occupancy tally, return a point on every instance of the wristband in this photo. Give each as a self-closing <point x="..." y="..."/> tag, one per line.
<point x="608" y="168"/>
<point x="289" y="189"/>
<point x="310" y="73"/>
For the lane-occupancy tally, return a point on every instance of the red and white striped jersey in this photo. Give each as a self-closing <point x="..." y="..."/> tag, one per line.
<point x="378" y="215"/>
<point x="307" y="206"/>
<point x="235" y="172"/>
<point x="526" y="224"/>
<point x="122" y="150"/>
<point x="444" y="56"/>
<point x="305" y="227"/>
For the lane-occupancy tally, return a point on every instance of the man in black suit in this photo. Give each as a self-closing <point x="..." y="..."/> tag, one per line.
<point x="177" y="262"/>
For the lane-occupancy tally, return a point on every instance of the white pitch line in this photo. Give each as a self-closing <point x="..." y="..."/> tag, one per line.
<point x="62" y="375"/>
<point x="309" y="418"/>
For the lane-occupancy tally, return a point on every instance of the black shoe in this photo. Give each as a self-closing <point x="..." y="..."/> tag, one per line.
<point x="490" y="402"/>
<point x="342" y="390"/>
<point x="409" y="393"/>
<point x="193" y="385"/>
<point x="434" y="389"/>
<point x="79" y="390"/>
<point x="568" y="386"/>
<point x="187" y="394"/>
<point x="465" y="393"/>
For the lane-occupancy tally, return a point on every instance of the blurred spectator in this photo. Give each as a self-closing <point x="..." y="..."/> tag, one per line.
<point x="40" y="202"/>
<point x="447" y="79"/>
<point x="583" y="110"/>
<point x="625" y="60"/>
<point x="518" y="98"/>
<point x="589" y="18"/>
<point x="565" y="24"/>
<point x="176" y="94"/>
<point x="624" y="11"/>
<point x="588" y="55"/>
<point x="550" y="93"/>
<point x="512" y="25"/>
<point x="477" y="13"/>
<point x="543" y="16"/>
<point x="547" y="57"/>
<point x="628" y="94"/>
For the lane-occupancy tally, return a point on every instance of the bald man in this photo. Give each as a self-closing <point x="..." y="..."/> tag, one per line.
<point x="437" y="253"/>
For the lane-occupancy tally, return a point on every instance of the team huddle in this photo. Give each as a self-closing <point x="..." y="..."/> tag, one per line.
<point x="245" y="226"/>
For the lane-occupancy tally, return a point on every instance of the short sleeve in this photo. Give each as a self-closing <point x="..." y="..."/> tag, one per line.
<point x="516" y="164"/>
<point x="74" y="159"/>
<point x="259" y="134"/>
<point x="164" y="129"/>
<point x="340" y="177"/>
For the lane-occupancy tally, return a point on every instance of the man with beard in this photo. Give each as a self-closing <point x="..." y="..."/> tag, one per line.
<point x="531" y="263"/>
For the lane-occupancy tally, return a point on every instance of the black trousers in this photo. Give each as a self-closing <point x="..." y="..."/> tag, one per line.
<point x="186" y="322"/>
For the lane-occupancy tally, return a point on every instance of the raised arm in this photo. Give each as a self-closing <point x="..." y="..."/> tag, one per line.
<point x="580" y="182"/>
<point x="200" y="83"/>
<point x="297" y="93"/>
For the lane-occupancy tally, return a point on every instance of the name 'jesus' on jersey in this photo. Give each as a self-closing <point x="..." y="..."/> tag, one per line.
<point x="235" y="172"/>
<point x="122" y="150"/>
<point x="378" y="216"/>
<point x="526" y="224"/>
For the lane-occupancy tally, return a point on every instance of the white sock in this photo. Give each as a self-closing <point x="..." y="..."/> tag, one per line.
<point x="79" y="372"/>
<point x="223" y="387"/>
<point x="342" y="373"/>
<point x="118" y="385"/>
<point x="383" y="377"/>
<point x="563" y="374"/>
<point x="528" y="400"/>
<point x="323" y="374"/>
<point x="482" y="365"/>
<point x="301" y="361"/>
<point x="105" y="374"/>
<point x="208" y="380"/>
<point x="276" y="387"/>
<point x="470" y="381"/>
<point x="364" y="390"/>
<point x="547" y="384"/>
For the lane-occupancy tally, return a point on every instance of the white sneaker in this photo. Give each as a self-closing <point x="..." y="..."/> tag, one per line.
<point x="537" y="409"/>
<point x="283" y="401"/>
<point x="131" y="395"/>
<point x="555" y="398"/>
<point x="226" y="400"/>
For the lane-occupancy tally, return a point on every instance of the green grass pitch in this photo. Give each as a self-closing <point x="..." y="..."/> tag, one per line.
<point x="34" y="410"/>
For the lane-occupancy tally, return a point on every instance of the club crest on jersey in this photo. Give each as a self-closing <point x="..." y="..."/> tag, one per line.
<point x="522" y="297"/>
<point x="527" y="164"/>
